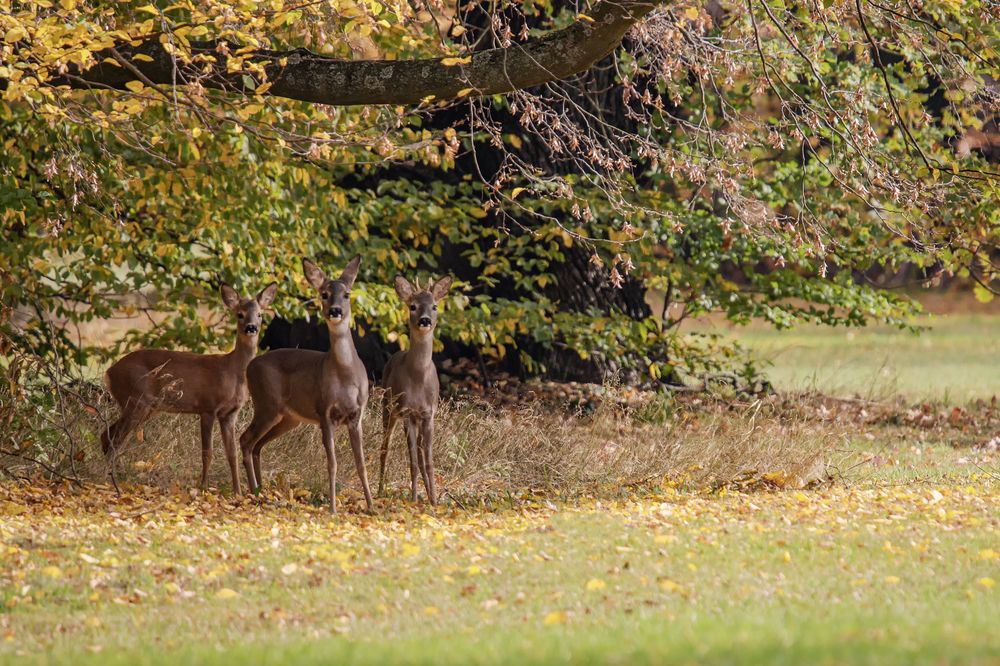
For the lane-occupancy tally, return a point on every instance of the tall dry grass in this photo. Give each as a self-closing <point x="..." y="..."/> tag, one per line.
<point x="482" y="450"/>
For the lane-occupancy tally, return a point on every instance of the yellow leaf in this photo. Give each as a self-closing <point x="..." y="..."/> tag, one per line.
<point x="477" y="213"/>
<point x="15" y="34"/>
<point x="669" y="585"/>
<point x="431" y="610"/>
<point x="892" y="580"/>
<point x="517" y="190"/>
<point x="987" y="582"/>
<point x="474" y="570"/>
<point x="464" y="92"/>
<point x="555" y="617"/>
<point x="595" y="584"/>
<point x="135" y="86"/>
<point x="989" y="554"/>
<point x="52" y="572"/>
<point x="451" y="62"/>
<point x="142" y="57"/>
<point x="585" y="18"/>
<point x="9" y="508"/>
<point x="263" y="88"/>
<point x="226" y="593"/>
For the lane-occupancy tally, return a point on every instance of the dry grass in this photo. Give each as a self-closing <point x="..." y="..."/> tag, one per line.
<point x="482" y="451"/>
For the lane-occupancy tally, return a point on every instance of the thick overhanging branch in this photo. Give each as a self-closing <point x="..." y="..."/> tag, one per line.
<point x="305" y="76"/>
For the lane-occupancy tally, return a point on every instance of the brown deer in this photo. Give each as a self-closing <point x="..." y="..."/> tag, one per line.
<point x="289" y="386"/>
<point x="411" y="385"/>
<point x="212" y="385"/>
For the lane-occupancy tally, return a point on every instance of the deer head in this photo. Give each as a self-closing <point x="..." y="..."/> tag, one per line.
<point x="335" y="295"/>
<point x="249" y="311"/>
<point x="422" y="302"/>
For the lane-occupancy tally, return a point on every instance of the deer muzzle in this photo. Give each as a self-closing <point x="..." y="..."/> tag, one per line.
<point x="250" y="329"/>
<point x="336" y="314"/>
<point x="424" y="322"/>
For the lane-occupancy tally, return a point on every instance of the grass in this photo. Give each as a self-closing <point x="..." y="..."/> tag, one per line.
<point x="870" y="572"/>
<point x="953" y="360"/>
<point x="482" y="451"/>
<point x="544" y="551"/>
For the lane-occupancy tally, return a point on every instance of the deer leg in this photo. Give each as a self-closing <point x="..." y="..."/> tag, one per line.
<point x="357" y="446"/>
<point x="258" y="427"/>
<point x="284" y="425"/>
<point x="426" y="449"/>
<point x="388" y="425"/>
<point x="134" y="412"/>
<point x="326" y="427"/>
<point x="227" y="425"/>
<point x="207" y="423"/>
<point x="411" y="446"/>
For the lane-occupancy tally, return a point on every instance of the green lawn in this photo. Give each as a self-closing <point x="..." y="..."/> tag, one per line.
<point x="896" y="562"/>
<point x="873" y="573"/>
<point x="957" y="359"/>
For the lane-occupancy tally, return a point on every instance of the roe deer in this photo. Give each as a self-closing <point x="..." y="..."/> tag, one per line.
<point x="289" y="386"/>
<point x="212" y="385"/>
<point x="411" y="385"/>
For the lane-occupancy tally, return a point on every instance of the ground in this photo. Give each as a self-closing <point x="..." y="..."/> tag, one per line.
<point x="895" y="559"/>
<point x="870" y="570"/>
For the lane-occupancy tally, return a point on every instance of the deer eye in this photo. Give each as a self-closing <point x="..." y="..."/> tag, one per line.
<point x="325" y="295"/>
<point x="413" y="308"/>
<point x="435" y="308"/>
<point x="239" y="316"/>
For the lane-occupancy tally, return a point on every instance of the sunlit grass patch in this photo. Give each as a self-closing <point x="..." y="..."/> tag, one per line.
<point x="898" y="571"/>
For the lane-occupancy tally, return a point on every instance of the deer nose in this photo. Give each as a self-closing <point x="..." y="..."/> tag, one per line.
<point x="336" y="312"/>
<point x="250" y="329"/>
<point x="424" y="322"/>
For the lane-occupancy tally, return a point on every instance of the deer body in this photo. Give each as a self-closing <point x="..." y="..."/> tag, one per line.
<point x="292" y="386"/>
<point x="412" y="388"/>
<point x="212" y="385"/>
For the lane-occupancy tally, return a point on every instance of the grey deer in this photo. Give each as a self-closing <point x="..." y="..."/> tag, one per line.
<point x="212" y="385"/>
<point x="411" y="385"/>
<point x="289" y="386"/>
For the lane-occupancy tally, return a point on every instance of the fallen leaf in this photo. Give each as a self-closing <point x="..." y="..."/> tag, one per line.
<point x="555" y="617"/>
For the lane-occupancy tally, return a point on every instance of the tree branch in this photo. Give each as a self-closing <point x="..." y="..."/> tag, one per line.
<point x="303" y="75"/>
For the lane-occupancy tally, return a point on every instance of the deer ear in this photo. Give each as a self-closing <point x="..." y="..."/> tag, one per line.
<point x="314" y="274"/>
<point x="230" y="297"/>
<point x="441" y="287"/>
<point x="267" y="294"/>
<point x="351" y="271"/>
<point x="404" y="289"/>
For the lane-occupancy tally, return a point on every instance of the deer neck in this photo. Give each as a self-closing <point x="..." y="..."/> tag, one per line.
<point x="342" y="352"/>
<point x="244" y="351"/>
<point x="418" y="356"/>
